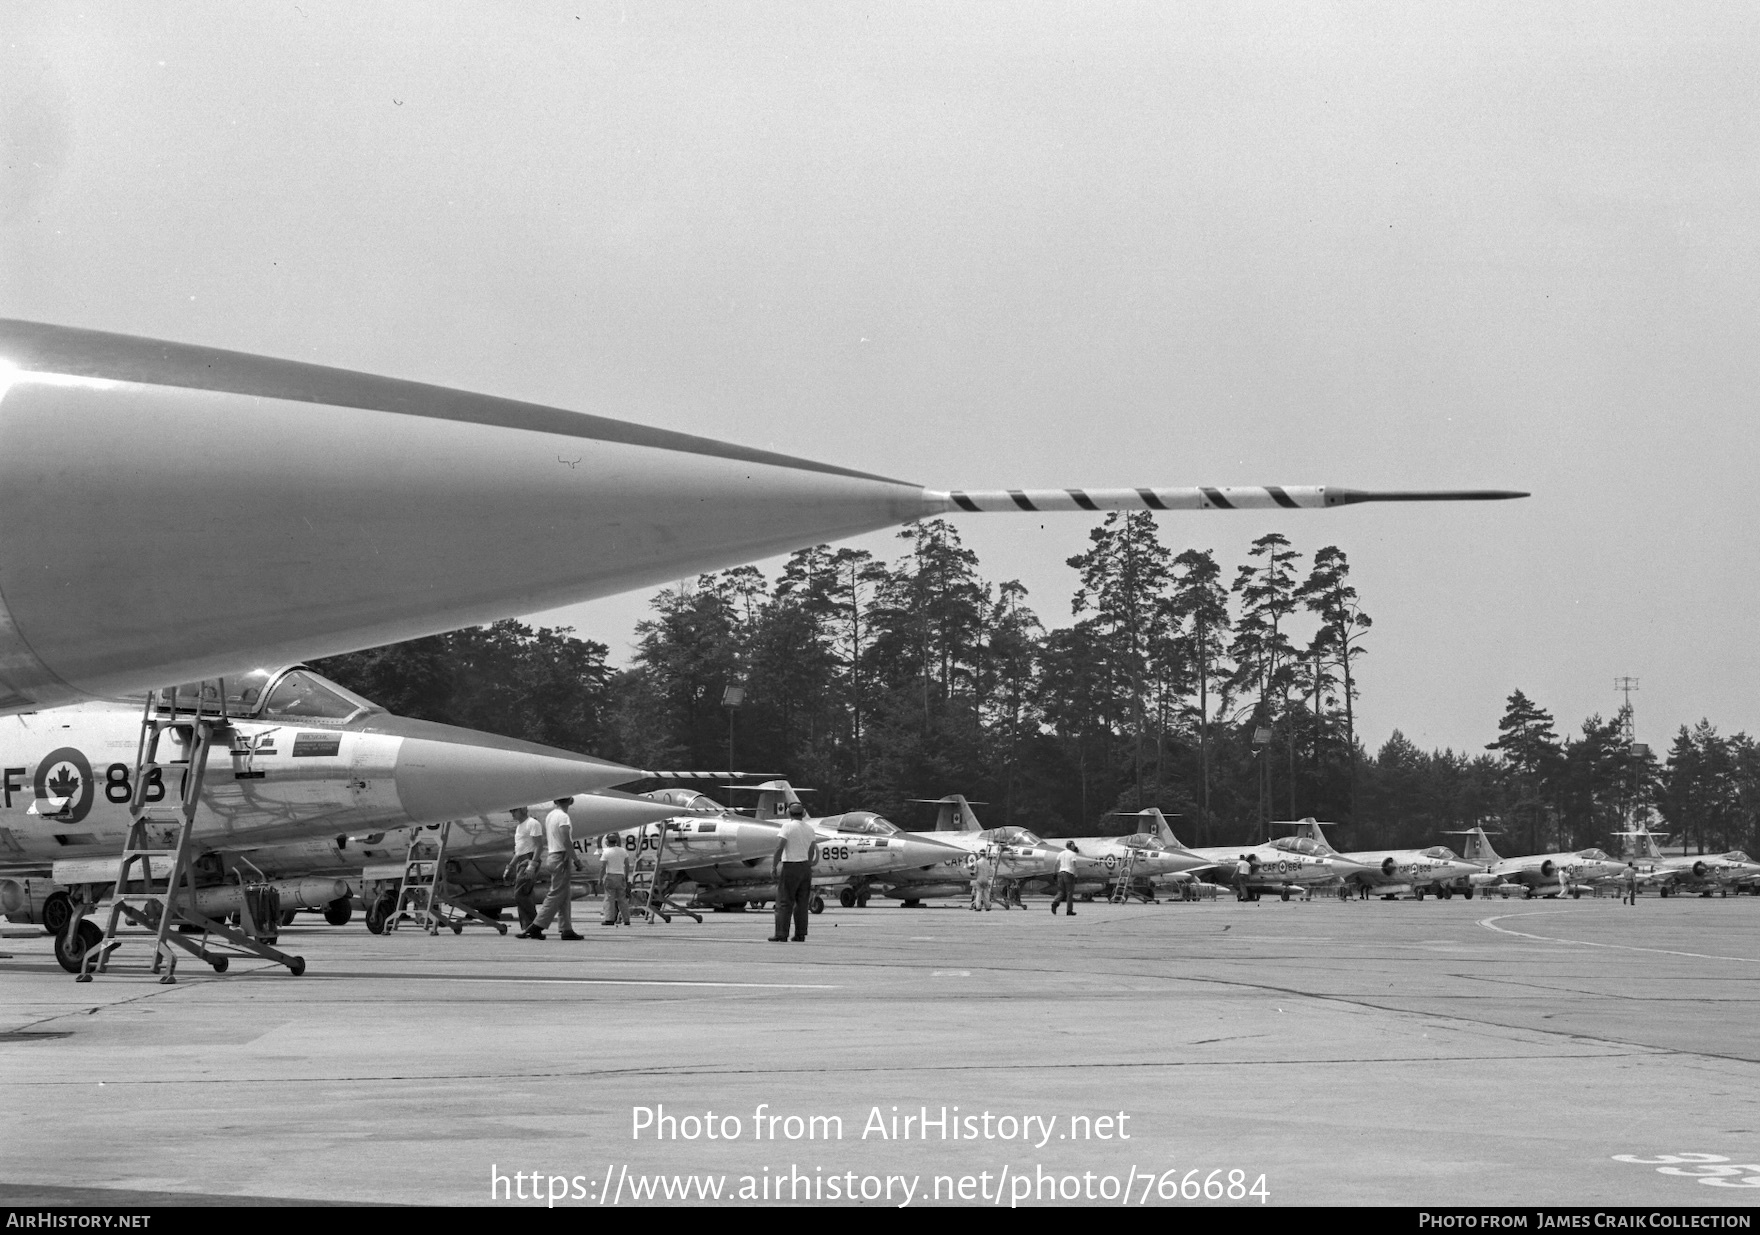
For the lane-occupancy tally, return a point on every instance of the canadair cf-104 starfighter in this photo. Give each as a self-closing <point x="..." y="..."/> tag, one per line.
<point x="1540" y="874"/>
<point x="1284" y="866"/>
<point x="1673" y="874"/>
<point x="306" y="763"/>
<point x="1392" y="873"/>
<point x="176" y="513"/>
<point x="1144" y="856"/>
<point x="1018" y="854"/>
<point x="857" y="844"/>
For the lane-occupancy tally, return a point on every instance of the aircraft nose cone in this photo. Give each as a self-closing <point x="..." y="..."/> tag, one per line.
<point x="595" y="814"/>
<point x="754" y="840"/>
<point x="439" y="779"/>
<point x="919" y="851"/>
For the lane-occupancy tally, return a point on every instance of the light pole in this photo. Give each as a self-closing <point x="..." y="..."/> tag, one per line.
<point x="1262" y="739"/>
<point x="731" y="698"/>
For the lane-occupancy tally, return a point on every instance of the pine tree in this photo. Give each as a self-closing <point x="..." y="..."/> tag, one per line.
<point x="1198" y="625"/>
<point x="1125" y="574"/>
<point x="1329" y="596"/>
<point x="1531" y="756"/>
<point x="1262" y="652"/>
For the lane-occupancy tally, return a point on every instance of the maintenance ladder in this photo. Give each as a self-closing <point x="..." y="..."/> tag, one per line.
<point x="169" y="916"/>
<point x="1121" y="883"/>
<point x="423" y="896"/>
<point x="656" y="903"/>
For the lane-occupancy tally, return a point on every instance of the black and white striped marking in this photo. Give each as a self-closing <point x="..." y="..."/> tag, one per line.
<point x="1200" y="497"/>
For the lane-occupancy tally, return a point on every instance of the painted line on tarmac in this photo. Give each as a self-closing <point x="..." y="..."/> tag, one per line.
<point x="1490" y="924"/>
<point x="449" y="977"/>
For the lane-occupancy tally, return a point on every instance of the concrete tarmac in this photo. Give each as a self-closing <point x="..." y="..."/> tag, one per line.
<point x="1339" y="1053"/>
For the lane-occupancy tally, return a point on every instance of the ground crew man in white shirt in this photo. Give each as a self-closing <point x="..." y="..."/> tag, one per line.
<point x="796" y="848"/>
<point x="528" y="855"/>
<point x="559" y="863"/>
<point x="1066" y="881"/>
<point x="616" y="859"/>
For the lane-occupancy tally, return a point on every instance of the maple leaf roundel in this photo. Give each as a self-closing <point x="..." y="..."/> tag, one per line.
<point x="65" y="773"/>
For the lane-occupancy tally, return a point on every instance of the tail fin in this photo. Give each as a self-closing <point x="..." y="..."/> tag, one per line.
<point x="955" y="813"/>
<point x="774" y="798"/>
<point x="1643" y="843"/>
<point x="1478" y="846"/>
<point x="1155" y="824"/>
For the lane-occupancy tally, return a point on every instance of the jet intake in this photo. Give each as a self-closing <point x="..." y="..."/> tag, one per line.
<point x="1389" y="868"/>
<point x="1700" y="870"/>
<point x="1548" y="869"/>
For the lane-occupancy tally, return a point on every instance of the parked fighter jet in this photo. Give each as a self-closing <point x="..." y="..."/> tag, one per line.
<point x="1143" y="858"/>
<point x="309" y="765"/>
<point x="356" y="511"/>
<point x="1541" y="874"/>
<point x="1019" y="855"/>
<point x="1680" y="873"/>
<point x="854" y="845"/>
<point x="1393" y="873"/>
<point x="1286" y="865"/>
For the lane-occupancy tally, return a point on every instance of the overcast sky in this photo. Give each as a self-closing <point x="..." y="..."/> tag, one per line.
<point x="1009" y="245"/>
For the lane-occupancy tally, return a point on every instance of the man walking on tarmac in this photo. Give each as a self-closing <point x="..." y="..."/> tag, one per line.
<point x="560" y="862"/>
<point x="528" y="855"/>
<point x="1066" y="881"/>
<point x="792" y="866"/>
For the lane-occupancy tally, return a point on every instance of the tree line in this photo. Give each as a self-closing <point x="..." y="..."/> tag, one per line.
<point x="1226" y="701"/>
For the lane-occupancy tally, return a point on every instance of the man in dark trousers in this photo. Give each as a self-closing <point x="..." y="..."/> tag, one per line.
<point x="792" y="865"/>
<point x="528" y="856"/>
<point x="1066" y="881"/>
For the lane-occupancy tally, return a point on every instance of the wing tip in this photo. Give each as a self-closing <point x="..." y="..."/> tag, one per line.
<point x="1350" y="497"/>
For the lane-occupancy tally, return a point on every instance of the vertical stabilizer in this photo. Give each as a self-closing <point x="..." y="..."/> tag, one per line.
<point x="774" y="799"/>
<point x="1477" y="847"/>
<point x="1643" y="844"/>
<point x="953" y="813"/>
<point x="968" y="819"/>
<point x="1155" y="823"/>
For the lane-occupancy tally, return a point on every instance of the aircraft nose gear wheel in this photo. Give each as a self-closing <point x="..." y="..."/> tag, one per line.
<point x="379" y="911"/>
<point x="338" y="912"/>
<point x="72" y="944"/>
<point x="847" y="898"/>
<point x="817" y="904"/>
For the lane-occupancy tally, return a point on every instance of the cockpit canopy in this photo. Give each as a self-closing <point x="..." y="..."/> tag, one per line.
<point x="1142" y="840"/>
<point x="1298" y="844"/>
<point x="1594" y="855"/>
<point x="296" y="692"/>
<point x="1736" y="855"/>
<point x="685" y="799"/>
<point x="864" y="823"/>
<point x="1442" y="852"/>
<point x="1012" y="835"/>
